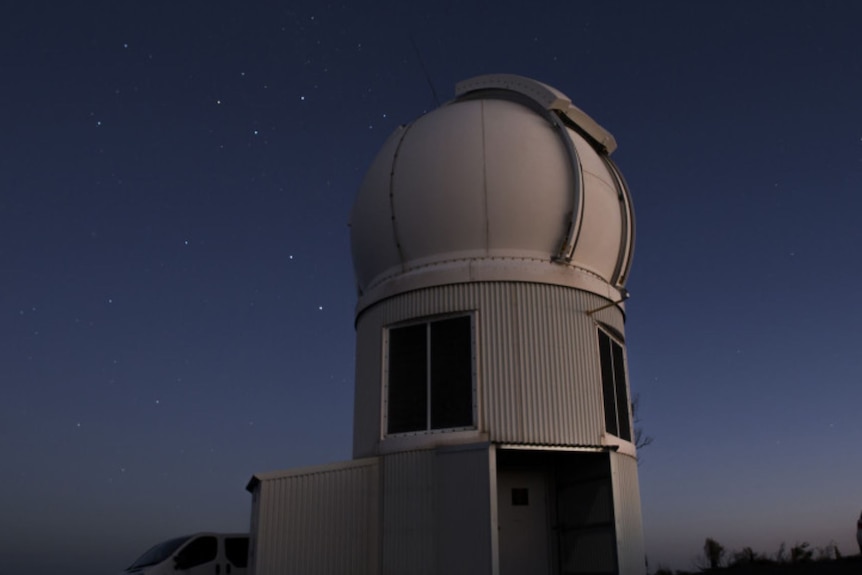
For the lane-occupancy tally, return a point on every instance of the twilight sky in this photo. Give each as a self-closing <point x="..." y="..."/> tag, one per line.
<point x="176" y="290"/>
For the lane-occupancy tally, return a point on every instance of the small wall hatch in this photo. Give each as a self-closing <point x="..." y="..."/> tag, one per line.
<point x="520" y="496"/>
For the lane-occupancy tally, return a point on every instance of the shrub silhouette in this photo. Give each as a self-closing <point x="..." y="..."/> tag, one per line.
<point x="714" y="552"/>
<point x="801" y="553"/>
<point x="747" y="556"/>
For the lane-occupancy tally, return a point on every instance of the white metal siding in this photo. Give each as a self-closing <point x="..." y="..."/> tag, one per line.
<point x="253" y="531"/>
<point x="367" y="397"/>
<point x="627" y="512"/>
<point x="408" y="513"/>
<point x="317" y="521"/>
<point x="539" y="378"/>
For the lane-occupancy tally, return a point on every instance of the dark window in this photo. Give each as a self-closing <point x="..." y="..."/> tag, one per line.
<point x="451" y="374"/>
<point x="236" y="551"/>
<point x="430" y="379"/>
<point x="408" y="372"/>
<point x="201" y="550"/>
<point x="614" y="390"/>
<point x="158" y="553"/>
<point x="608" y="392"/>
<point x="621" y="391"/>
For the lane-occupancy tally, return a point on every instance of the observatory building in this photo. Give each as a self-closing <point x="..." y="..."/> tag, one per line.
<point x="491" y="242"/>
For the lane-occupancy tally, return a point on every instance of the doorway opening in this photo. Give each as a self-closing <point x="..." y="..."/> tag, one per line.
<point x="555" y="513"/>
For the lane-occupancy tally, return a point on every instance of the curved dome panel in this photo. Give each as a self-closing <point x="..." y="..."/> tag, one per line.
<point x="598" y="243"/>
<point x="509" y="182"/>
<point x="529" y="181"/>
<point x="372" y="241"/>
<point x="437" y="183"/>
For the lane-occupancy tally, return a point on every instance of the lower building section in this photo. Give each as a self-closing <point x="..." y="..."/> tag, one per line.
<point x="471" y="509"/>
<point x="568" y="512"/>
<point x="627" y="511"/>
<point x="316" y="520"/>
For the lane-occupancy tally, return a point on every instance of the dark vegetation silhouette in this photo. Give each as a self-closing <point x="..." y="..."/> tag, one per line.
<point x="641" y="438"/>
<point x="801" y="559"/>
<point x="714" y="552"/>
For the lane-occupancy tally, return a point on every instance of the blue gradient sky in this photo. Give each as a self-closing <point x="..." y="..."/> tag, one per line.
<point x="176" y="291"/>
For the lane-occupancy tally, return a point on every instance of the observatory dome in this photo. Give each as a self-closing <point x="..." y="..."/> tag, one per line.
<point x="507" y="182"/>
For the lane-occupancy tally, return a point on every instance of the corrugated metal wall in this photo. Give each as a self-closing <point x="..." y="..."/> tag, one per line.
<point x="367" y="398"/>
<point x="317" y="521"/>
<point x="408" y="513"/>
<point x="538" y="366"/>
<point x="253" y="528"/>
<point x="627" y="511"/>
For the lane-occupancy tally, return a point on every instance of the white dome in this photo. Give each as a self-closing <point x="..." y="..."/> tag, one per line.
<point x="508" y="182"/>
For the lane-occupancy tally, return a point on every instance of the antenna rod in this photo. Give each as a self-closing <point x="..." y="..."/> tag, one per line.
<point x="424" y="70"/>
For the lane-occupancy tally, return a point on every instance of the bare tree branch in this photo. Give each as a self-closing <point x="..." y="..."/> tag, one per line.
<point x="641" y="438"/>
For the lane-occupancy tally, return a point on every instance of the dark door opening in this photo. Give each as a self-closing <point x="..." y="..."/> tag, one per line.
<point x="555" y="513"/>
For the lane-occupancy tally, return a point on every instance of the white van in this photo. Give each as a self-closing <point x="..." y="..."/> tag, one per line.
<point x="198" y="554"/>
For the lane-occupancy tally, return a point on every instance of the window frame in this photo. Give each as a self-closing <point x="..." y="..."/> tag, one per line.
<point x="615" y="342"/>
<point x="427" y="321"/>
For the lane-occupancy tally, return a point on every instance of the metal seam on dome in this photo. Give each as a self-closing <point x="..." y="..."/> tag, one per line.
<point x="627" y="231"/>
<point x="395" y="235"/>
<point x="567" y="246"/>
<point x="381" y="288"/>
<point x="405" y="269"/>
<point x="437" y="263"/>
<point x="485" y="177"/>
<point x="624" y="272"/>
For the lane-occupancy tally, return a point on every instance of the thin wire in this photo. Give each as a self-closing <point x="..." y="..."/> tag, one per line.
<point x="424" y="70"/>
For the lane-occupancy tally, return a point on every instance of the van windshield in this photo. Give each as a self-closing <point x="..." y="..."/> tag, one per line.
<point x="159" y="553"/>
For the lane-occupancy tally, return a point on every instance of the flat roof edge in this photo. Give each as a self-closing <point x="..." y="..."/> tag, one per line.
<point x="309" y="470"/>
